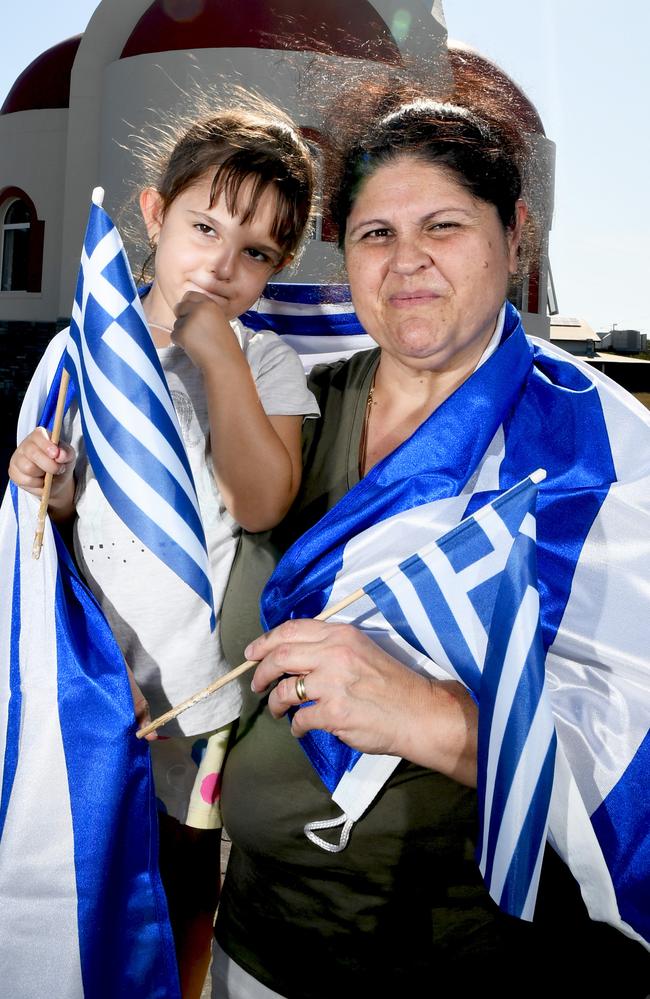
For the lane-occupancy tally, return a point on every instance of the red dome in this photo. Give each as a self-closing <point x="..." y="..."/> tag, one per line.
<point x="470" y="65"/>
<point x="338" y="26"/>
<point x="46" y="81"/>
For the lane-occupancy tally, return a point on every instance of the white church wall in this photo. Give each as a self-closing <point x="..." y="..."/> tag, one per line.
<point x="110" y="98"/>
<point x="423" y="23"/>
<point x="101" y="44"/>
<point x="109" y="94"/>
<point x="33" y="147"/>
<point x="143" y="91"/>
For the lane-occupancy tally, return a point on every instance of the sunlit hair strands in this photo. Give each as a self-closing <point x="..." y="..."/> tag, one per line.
<point x="241" y="139"/>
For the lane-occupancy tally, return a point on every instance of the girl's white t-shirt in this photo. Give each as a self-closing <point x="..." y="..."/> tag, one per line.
<point x="161" y="625"/>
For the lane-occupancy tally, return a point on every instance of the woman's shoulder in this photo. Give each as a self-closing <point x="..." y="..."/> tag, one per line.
<point x="344" y="373"/>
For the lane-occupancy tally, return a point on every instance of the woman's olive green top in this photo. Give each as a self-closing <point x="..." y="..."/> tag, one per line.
<point x="330" y="456"/>
<point x="403" y="907"/>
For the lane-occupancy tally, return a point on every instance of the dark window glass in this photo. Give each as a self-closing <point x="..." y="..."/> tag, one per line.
<point x="16" y="213"/>
<point x="15" y="247"/>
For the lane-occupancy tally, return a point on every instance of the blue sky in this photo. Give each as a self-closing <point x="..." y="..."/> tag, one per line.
<point x="585" y="65"/>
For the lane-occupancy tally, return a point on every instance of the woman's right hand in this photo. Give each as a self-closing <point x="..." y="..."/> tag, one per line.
<point x="367" y="698"/>
<point x="36" y="456"/>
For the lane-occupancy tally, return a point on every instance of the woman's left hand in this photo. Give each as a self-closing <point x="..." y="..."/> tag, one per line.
<point x="365" y="696"/>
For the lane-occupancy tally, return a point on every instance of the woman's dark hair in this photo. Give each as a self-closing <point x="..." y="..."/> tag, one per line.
<point x="478" y="154"/>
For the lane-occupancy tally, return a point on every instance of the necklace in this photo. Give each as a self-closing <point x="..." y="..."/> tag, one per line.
<point x="159" y="326"/>
<point x="363" y="443"/>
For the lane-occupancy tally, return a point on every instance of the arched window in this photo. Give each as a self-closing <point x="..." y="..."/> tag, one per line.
<point x="21" y="243"/>
<point x="15" y="247"/>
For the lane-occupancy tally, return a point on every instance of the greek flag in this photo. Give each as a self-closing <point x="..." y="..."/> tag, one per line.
<point x="82" y="909"/>
<point x="470" y="603"/>
<point x="528" y="405"/>
<point x="130" y="427"/>
<point x="317" y="320"/>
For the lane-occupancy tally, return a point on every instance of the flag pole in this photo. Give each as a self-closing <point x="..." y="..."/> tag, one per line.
<point x="536" y="477"/>
<point x="47" y="484"/>
<point x="233" y="674"/>
<point x="97" y="199"/>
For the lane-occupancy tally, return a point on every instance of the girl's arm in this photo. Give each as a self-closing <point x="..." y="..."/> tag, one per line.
<point x="256" y="458"/>
<point x="36" y="456"/>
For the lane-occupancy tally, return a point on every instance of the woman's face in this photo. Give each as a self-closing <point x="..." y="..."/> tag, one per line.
<point x="428" y="265"/>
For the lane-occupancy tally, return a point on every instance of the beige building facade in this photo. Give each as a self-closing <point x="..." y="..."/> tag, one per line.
<point x="70" y="122"/>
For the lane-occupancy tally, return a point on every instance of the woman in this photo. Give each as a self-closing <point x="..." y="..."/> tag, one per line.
<point x="431" y="217"/>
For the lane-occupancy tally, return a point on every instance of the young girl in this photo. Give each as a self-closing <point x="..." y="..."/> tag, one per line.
<point x="227" y="212"/>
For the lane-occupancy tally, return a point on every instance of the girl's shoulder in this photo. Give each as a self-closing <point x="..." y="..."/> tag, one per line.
<point x="265" y="350"/>
<point x="260" y="340"/>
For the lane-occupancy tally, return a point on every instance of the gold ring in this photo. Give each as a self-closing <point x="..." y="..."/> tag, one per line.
<point x="301" y="693"/>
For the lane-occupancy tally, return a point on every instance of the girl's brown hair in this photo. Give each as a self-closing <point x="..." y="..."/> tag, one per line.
<point x="250" y="140"/>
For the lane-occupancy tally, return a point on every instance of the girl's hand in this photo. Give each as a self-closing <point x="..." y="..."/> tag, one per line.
<point x="36" y="456"/>
<point x="256" y="458"/>
<point x="367" y="698"/>
<point x="203" y="331"/>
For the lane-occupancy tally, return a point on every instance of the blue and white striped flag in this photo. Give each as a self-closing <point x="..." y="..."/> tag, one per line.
<point x="469" y="602"/>
<point x="82" y="910"/>
<point x="130" y="427"/>
<point x="317" y="320"/>
<point x="528" y="405"/>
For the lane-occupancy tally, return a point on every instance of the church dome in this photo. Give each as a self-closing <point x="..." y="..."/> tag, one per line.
<point x="46" y="81"/>
<point x="341" y="27"/>
<point x="471" y="65"/>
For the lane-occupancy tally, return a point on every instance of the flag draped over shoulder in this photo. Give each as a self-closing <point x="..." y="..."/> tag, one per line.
<point x="469" y="602"/>
<point x="529" y="405"/>
<point x="82" y="909"/>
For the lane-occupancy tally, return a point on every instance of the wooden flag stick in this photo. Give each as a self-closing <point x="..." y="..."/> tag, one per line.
<point x="234" y="673"/>
<point x="537" y="476"/>
<point x="47" y="484"/>
<point x="97" y="199"/>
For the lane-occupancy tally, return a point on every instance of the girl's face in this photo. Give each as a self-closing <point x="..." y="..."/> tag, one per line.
<point x="428" y="265"/>
<point x="206" y="249"/>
